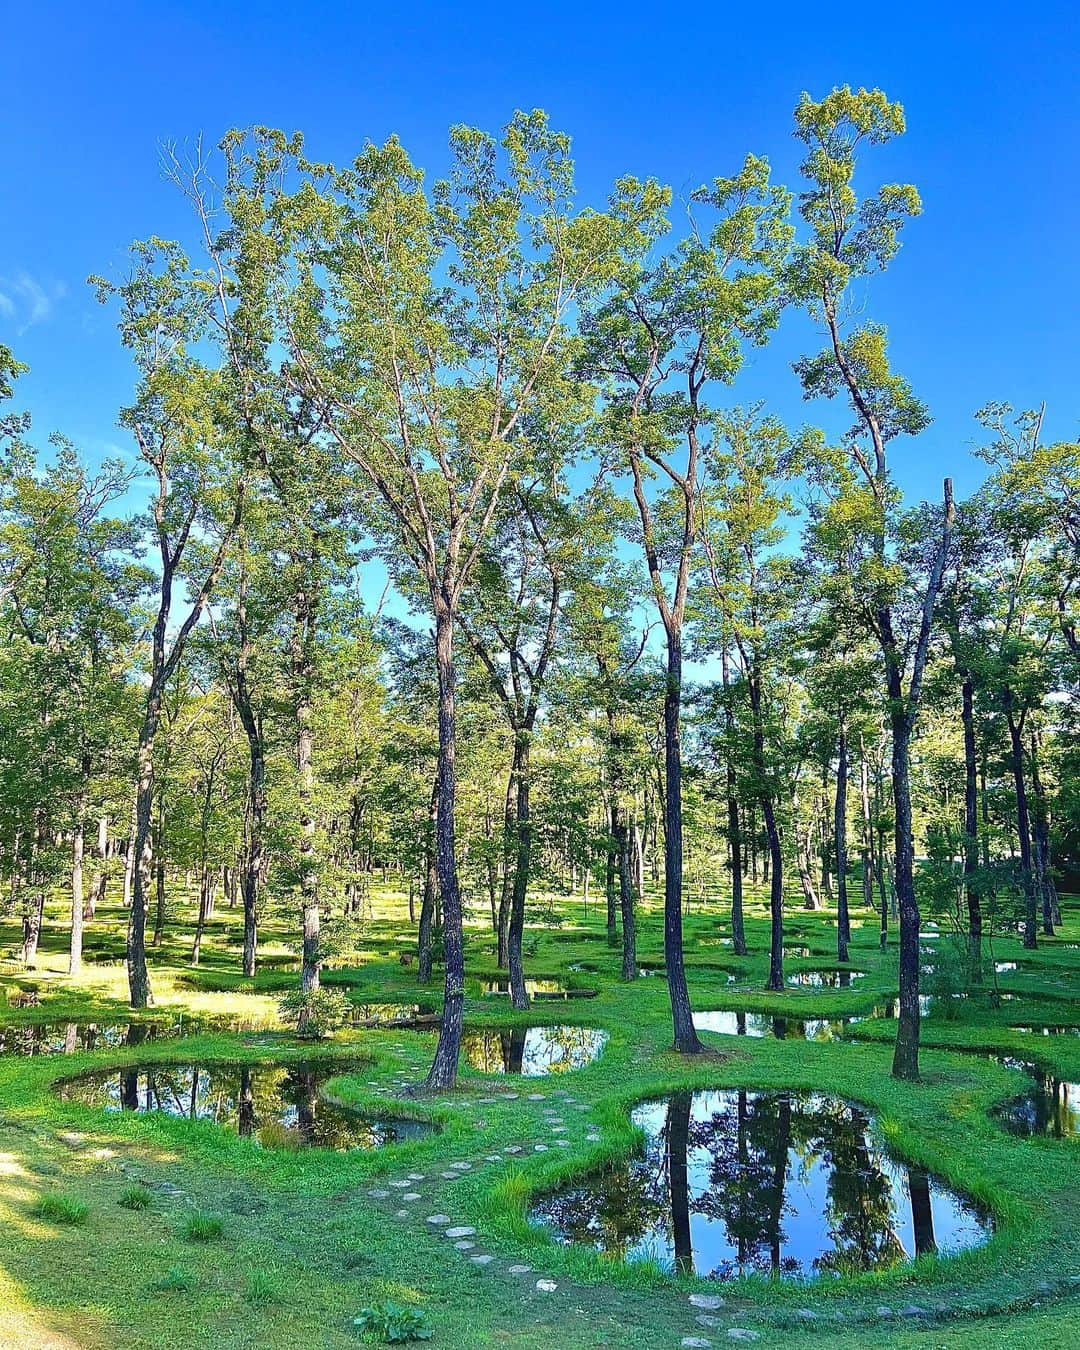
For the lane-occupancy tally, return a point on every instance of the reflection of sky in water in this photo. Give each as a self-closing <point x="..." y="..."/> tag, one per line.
<point x="793" y="1183"/>
<point x="278" y="1105"/>
<point x="1050" y="1108"/>
<point x="532" y="1051"/>
<point x="767" y="1024"/>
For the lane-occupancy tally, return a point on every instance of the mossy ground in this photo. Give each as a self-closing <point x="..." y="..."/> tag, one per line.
<point x="302" y="1250"/>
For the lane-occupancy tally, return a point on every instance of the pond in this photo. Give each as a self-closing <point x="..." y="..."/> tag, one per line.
<point x="279" y="1105"/>
<point x="531" y="1051"/>
<point x="1050" y="1108"/>
<point x="825" y="979"/>
<point x="535" y="989"/>
<point x="69" y="1038"/>
<point x="781" y="1183"/>
<point x="408" y="1016"/>
<point x="768" y="1024"/>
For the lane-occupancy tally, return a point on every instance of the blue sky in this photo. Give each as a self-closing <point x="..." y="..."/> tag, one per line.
<point x="981" y="303"/>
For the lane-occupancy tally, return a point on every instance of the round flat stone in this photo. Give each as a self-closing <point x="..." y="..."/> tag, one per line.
<point x="491" y="1157"/>
<point x="411" y="1195"/>
<point x="462" y="1166"/>
<point x="415" y="1176"/>
<point x="459" y="1232"/>
<point x="519" y="1270"/>
<point x="377" y="1194"/>
<point x="539" y="1148"/>
<point x="399" y="1185"/>
<point x="709" y="1302"/>
<point x="482" y="1260"/>
<point x="439" y="1220"/>
<point x="450" y="1176"/>
<point x="509" y="1096"/>
<point x="698" y="1342"/>
<point x="546" y="1286"/>
<point x="512" y="1148"/>
<point x="401" y="1213"/>
<point x="465" y="1245"/>
<point x="742" y="1334"/>
<point x="537" y="1097"/>
<point x="562" y="1143"/>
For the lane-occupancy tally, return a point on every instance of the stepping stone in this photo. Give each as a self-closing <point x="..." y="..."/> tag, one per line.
<point x="482" y="1260"/>
<point x="486" y="1101"/>
<point x="698" y="1342"/>
<point x="401" y="1214"/>
<point x="583" y="1107"/>
<point x="491" y="1157"/>
<point x="509" y="1096"/>
<point x="559" y="1129"/>
<point x="710" y="1302"/>
<point x="707" y="1320"/>
<point x="450" y="1176"/>
<point x="546" y="1286"/>
<point x="465" y="1246"/>
<point x="399" y="1185"/>
<point x="376" y="1194"/>
<point x="512" y="1148"/>
<point x="411" y="1195"/>
<point x="439" y="1220"/>
<point x="415" y="1176"/>
<point x="462" y="1166"/>
<point x="562" y="1143"/>
<point x="460" y="1232"/>
<point x="519" y="1270"/>
<point x="537" y="1097"/>
<point x="742" y="1334"/>
<point x="539" y="1148"/>
<point x="592" y="1138"/>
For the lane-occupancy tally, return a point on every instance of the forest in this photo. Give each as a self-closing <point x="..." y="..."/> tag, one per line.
<point x="455" y="677"/>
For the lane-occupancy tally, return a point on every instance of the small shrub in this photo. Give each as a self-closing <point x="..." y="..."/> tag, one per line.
<point x="203" y="1227"/>
<point x="135" y="1197"/>
<point x="177" y="1279"/>
<point x="314" y="1014"/>
<point x="275" y="1135"/>
<point x="262" y="1287"/>
<point x="56" y="1207"/>
<point x="393" y="1323"/>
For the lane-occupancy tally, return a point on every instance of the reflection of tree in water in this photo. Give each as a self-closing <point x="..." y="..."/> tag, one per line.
<point x="859" y="1210"/>
<point x="279" y="1105"/>
<point x="532" y="1051"/>
<point x="722" y="1174"/>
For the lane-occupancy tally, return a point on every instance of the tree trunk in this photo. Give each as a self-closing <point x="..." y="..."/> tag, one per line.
<point x="1041" y="842"/>
<point x="1023" y="822"/>
<point x="843" y="924"/>
<point x="971" y="830"/>
<point x="686" y="1037"/>
<point x="78" y="849"/>
<point x="906" y="1053"/>
<point x="518" y="997"/>
<point x="443" y="1072"/>
<point x="738" y="933"/>
<point x="303" y="675"/>
<point x="427" y="904"/>
<point x="138" y="975"/>
<point x="626" y="899"/>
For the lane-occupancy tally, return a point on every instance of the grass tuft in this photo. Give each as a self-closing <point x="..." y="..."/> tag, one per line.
<point x="58" y="1207"/>
<point x="202" y="1226"/>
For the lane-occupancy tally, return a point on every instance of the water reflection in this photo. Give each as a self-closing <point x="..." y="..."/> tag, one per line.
<point x="767" y="1024"/>
<point x="409" y="1016"/>
<point x="1050" y="1108"/>
<point x="531" y="1051"/>
<point x="540" y="989"/>
<point x="783" y="1183"/>
<point x="69" y="1038"/>
<point x="280" y="1105"/>
<point x="826" y="979"/>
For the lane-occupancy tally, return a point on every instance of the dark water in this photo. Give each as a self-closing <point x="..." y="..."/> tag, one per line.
<point x="419" y="1016"/>
<point x="277" y="1104"/>
<point x="766" y="1024"/>
<point x="825" y="979"/>
<point x="531" y="1051"/>
<point x="782" y="1183"/>
<point x="539" y="989"/>
<point x="69" y="1038"/>
<point x="1050" y="1108"/>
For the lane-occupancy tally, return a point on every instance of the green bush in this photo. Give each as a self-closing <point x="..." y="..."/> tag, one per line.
<point x="314" y="1014"/>
<point x="262" y="1287"/>
<point x="176" y="1279"/>
<point x="56" y="1207"/>
<point x="393" y="1323"/>
<point x="203" y="1227"/>
<point x="135" y="1197"/>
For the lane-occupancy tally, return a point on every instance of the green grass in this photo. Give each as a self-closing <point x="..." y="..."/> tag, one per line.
<point x="136" y="1198"/>
<point x="56" y="1207"/>
<point x="297" y="1219"/>
<point x="203" y="1227"/>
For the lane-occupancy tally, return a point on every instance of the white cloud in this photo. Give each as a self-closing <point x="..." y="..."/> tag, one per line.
<point x="27" y="301"/>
